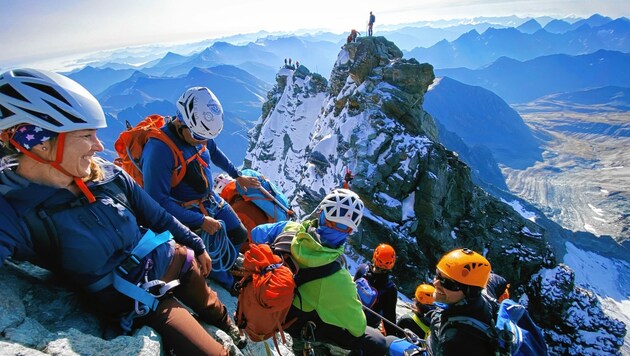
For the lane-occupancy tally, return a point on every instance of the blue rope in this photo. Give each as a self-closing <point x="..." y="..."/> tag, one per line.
<point x="221" y="250"/>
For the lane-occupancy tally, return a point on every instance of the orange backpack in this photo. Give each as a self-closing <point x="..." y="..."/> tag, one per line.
<point x="249" y="213"/>
<point x="269" y="285"/>
<point x="130" y="144"/>
<point x="265" y="296"/>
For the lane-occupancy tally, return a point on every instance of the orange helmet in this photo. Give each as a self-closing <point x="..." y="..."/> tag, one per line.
<point x="466" y="267"/>
<point x="424" y="294"/>
<point x="384" y="256"/>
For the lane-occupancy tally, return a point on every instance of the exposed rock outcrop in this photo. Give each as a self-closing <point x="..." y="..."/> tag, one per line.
<point x="419" y="196"/>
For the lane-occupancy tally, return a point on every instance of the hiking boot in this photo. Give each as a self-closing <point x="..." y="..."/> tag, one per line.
<point x="237" y="269"/>
<point x="235" y="334"/>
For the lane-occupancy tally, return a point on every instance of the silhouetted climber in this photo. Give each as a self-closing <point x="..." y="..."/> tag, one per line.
<point x="371" y="23"/>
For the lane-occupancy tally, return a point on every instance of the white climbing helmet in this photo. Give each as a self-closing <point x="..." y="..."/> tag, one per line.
<point x="343" y="206"/>
<point x="48" y="100"/>
<point x="220" y="182"/>
<point x="201" y="112"/>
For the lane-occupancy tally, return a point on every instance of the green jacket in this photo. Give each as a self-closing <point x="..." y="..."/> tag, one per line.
<point x="334" y="297"/>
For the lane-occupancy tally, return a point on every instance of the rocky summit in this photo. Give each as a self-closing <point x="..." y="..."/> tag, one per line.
<point x="419" y="196"/>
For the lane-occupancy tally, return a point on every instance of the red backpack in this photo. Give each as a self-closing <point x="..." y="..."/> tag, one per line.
<point x="130" y="144"/>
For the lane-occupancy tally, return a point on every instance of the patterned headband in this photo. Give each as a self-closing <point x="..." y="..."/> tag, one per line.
<point x="30" y="136"/>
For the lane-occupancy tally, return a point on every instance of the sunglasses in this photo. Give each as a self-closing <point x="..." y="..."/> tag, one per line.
<point x="447" y="283"/>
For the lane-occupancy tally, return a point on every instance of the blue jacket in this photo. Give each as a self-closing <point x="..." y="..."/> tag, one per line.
<point x="158" y="163"/>
<point x="93" y="238"/>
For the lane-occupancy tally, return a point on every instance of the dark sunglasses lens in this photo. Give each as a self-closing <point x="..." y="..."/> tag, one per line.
<point x="447" y="283"/>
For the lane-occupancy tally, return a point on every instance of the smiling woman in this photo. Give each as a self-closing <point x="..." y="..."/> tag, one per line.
<point x="64" y="209"/>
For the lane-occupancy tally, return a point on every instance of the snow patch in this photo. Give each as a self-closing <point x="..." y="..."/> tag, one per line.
<point x="407" y="206"/>
<point x="518" y="207"/>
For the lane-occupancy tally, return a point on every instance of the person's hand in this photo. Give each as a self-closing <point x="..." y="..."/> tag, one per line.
<point x="205" y="263"/>
<point x="210" y="225"/>
<point x="248" y="182"/>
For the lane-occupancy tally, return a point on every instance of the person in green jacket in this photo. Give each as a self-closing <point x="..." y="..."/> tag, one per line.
<point x="327" y="309"/>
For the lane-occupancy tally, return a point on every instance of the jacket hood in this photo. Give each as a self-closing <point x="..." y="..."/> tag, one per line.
<point x="307" y="250"/>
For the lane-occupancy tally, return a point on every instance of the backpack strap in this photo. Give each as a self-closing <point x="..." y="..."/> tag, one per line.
<point x="178" y="156"/>
<point x="309" y="274"/>
<point x="425" y="328"/>
<point x="43" y="231"/>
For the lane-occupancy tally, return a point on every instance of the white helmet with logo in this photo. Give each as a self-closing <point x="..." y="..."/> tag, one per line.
<point x="201" y="112"/>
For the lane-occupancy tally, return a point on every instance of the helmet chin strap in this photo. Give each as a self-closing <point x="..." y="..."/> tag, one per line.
<point x="57" y="164"/>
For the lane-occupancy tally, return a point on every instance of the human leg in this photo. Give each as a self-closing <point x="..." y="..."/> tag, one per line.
<point x="196" y="294"/>
<point x="181" y="333"/>
<point x="387" y="308"/>
<point x="236" y="231"/>
<point x="371" y="343"/>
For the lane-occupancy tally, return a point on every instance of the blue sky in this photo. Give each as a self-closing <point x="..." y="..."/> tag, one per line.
<point x="37" y="29"/>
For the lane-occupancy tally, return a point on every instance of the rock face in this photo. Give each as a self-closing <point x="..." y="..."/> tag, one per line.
<point x="419" y="196"/>
<point x="39" y="316"/>
<point x="575" y="323"/>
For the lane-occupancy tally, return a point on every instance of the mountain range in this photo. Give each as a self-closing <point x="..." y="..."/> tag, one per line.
<point x="421" y="147"/>
<point x="474" y="49"/>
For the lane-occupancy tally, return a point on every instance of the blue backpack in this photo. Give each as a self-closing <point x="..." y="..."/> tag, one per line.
<point x="514" y="332"/>
<point x="269" y="198"/>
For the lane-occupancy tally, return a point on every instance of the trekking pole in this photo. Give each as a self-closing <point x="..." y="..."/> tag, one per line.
<point x="413" y="338"/>
<point x="268" y="195"/>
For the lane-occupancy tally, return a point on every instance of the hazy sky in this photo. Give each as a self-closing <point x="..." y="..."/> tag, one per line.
<point x="36" y="29"/>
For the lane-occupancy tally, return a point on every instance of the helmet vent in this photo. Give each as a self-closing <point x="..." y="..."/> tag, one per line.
<point x="49" y="90"/>
<point x="21" y="73"/>
<point x="10" y="91"/>
<point x="4" y="112"/>
<point x="43" y="116"/>
<point x="66" y="114"/>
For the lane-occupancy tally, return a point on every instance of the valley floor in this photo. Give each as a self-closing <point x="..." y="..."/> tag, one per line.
<point x="583" y="183"/>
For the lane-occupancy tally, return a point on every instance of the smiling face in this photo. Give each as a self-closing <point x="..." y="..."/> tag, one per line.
<point x="444" y="292"/>
<point x="79" y="149"/>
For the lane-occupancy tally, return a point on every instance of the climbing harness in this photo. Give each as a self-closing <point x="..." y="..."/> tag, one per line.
<point x="146" y="293"/>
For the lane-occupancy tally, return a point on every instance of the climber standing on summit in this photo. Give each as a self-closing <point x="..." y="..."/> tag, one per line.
<point x="371" y="23"/>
